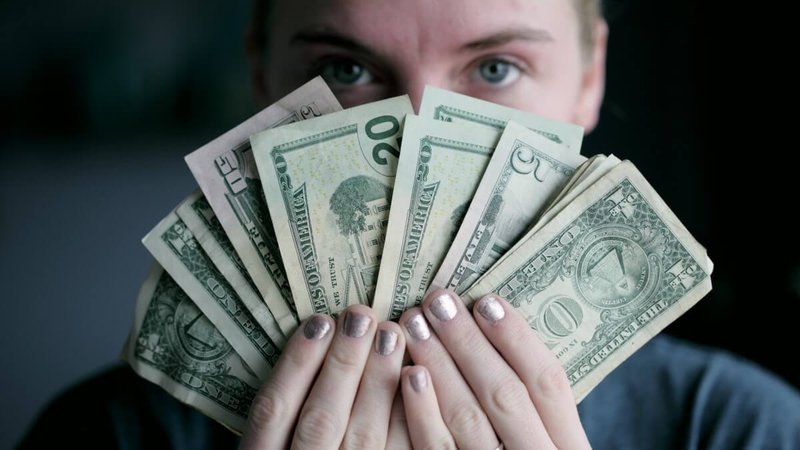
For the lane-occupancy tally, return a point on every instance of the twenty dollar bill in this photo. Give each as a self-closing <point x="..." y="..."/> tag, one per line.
<point x="441" y="165"/>
<point x="440" y="104"/>
<point x="226" y="172"/>
<point x="328" y="183"/>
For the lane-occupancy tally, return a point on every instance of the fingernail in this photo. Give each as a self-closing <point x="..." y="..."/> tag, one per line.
<point x="418" y="379"/>
<point x="316" y="328"/>
<point x="491" y="309"/>
<point x="443" y="307"/>
<point x="418" y="328"/>
<point x="387" y="341"/>
<point x="356" y="324"/>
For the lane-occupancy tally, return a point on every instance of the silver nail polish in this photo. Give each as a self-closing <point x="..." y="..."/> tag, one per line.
<point x="419" y="381"/>
<point x="443" y="307"/>
<point x="387" y="341"/>
<point x="491" y="309"/>
<point x="316" y="328"/>
<point x="356" y="324"/>
<point x="418" y="328"/>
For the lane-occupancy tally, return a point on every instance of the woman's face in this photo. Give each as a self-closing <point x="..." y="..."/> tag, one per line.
<point x="525" y="54"/>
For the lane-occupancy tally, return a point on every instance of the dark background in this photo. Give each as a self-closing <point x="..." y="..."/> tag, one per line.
<point x="99" y="102"/>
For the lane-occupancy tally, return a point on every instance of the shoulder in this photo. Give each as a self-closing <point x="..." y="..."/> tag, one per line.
<point x="118" y="409"/>
<point x="682" y="395"/>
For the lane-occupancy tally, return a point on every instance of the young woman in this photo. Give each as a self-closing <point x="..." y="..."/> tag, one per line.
<point x="480" y="379"/>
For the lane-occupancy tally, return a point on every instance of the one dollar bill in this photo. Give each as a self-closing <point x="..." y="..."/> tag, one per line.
<point x="603" y="276"/>
<point x="175" y="346"/>
<point x="197" y="214"/>
<point x="175" y="248"/>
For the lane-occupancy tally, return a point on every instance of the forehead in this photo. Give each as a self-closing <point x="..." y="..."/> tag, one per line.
<point x="421" y="25"/>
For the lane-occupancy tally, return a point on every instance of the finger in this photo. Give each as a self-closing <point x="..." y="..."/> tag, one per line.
<point x="536" y="366"/>
<point x="276" y="405"/>
<point x="323" y="419"/>
<point x="461" y="411"/>
<point x="369" y="422"/>
<point x="398" y="438"/>
<point x="425" y="425"/>
<point x="501" y="393"/>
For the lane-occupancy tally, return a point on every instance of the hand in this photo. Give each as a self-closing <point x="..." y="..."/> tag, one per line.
<point x="332" y="386"/>
<point x="477" y="377"/>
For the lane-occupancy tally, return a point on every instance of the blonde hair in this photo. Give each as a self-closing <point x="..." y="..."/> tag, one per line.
<point x="588" y="13"/>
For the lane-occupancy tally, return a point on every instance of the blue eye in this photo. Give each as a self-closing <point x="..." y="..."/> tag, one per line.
<point x="497" y="72"/>
<point x="344" y="72"/>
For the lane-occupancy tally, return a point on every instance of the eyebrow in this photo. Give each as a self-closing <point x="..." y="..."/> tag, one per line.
<point x="506" y="36"/>
<point x="322" y="36"/>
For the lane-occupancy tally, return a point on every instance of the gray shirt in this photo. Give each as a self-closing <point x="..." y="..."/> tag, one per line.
<point x="669" y="394"/>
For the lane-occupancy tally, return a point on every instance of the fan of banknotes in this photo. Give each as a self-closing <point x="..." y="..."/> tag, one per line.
<point x="307" y="208"/>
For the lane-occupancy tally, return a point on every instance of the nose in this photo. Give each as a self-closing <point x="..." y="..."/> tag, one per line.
<point x="415" y="92"/>
<point x="414" y="85"/>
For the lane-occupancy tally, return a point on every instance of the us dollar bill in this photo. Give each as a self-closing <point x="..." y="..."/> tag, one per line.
<point x="225" y="170"/>
<point x="175" y="346"/>
<point x="175" y="248"/>
<point x="440" y="167"/>
<point x="603" y="276"/>
<point x="440" y="104"/>
<point x="524" y="174"/>
<point x="599" y="167"/>
<point x="197" y="214"/>
<point x="587" y="167"/>
<point x="328" y="183"/>
<point x="585" y="176"/>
